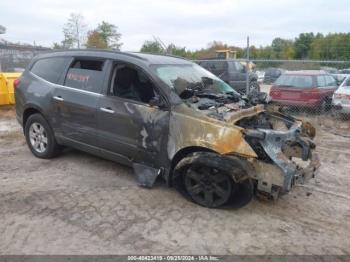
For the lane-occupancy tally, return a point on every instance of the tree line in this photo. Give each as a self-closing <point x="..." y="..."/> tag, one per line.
<point x="332" y="46"/>
<point x="76" y="35"/>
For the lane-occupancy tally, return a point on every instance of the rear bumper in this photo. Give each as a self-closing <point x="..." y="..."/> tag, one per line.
<point x="341" y="107"/>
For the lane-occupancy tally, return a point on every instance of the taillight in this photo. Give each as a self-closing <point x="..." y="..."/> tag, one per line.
<point x="342" y="96"/>
<point x="16" y="82"/>
<point x="337" y="96"/>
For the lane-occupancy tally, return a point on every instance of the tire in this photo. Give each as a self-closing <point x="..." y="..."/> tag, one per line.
<point x="325" y="106"/>
<point x="207" y="179"/>
<point x="40" y="137"/>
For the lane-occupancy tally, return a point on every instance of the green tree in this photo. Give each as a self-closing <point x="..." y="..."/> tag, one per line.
<point x="109" y="33"/>
<point x="96" y="40"/>
<point x="283" y="48"/>
<point x="153" y="47"/>
<point x="74" y="31"/>
<point x="302" y="45"/>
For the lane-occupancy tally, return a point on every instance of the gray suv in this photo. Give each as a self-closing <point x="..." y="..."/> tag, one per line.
<point x="233" y="73"/>
<point x="166" y="117"/>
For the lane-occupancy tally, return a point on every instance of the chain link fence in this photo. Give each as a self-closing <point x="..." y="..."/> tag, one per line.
<point x="15" y="58"/>
<point x="318" y="91"/>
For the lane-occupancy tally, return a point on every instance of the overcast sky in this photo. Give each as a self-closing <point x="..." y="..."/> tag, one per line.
<point x="188" y="23"/>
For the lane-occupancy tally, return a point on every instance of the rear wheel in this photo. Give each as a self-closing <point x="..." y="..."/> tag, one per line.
<point x="40" y="137"/>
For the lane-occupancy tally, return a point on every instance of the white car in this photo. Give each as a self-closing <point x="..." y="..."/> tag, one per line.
<point x="341" y="97"/>
<point x="261" y="75"/>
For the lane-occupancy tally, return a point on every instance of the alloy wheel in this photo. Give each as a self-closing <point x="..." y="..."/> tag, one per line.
<point x="38" y="137"/>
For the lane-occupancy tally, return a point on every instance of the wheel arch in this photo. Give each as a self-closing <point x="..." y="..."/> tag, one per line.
<point x="29" y="110"/>
<point x="181" y="154"/>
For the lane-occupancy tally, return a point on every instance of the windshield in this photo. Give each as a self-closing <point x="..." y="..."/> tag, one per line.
<point x="297" y="81"/>
<point x="184" y="77"/>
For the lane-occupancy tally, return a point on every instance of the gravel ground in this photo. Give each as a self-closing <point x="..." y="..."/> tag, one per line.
<point x="81" y="204"/>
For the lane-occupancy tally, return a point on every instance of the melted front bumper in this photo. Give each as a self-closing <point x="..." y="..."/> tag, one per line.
<point x="283" y="147"/>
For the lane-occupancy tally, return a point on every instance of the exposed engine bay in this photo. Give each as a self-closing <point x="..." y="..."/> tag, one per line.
<point x="283" y="144"/>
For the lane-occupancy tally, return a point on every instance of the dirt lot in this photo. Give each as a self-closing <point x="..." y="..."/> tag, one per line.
<point x="81" y="204"/>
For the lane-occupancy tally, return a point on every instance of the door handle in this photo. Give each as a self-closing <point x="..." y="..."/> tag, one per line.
<point x="107" y="110"/>
<point x="58" y="98"/>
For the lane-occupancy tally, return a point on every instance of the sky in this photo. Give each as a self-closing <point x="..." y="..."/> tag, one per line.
<point x="186" y="23"/>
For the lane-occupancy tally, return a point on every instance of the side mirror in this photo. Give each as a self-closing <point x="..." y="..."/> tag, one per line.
<point x="157" y="101"/>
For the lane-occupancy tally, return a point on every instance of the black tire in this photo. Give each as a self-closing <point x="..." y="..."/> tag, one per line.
<point x="44" y="136"/>
<point x="325" y="106"/>
<point x="208" y="179"/>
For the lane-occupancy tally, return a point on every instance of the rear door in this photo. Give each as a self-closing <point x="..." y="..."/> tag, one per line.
<point x="77" y="99"/>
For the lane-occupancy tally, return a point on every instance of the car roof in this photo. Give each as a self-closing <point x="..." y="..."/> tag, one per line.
<point x="102" y="53"/>
<point x="307" y="72"/>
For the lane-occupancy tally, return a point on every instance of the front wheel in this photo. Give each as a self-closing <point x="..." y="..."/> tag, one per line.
<point x="209" y="180"/>
<point x="40" y="137"/>
<point x="208" y="186"/>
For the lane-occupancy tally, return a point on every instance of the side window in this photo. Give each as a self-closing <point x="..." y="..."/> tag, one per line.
<point x="321" y="81"/>
<point x="239" y="66"/>
<point x="50" y="69"/>
<point x="219" y="65"/>
<point x="330" y="81"/>
<point x="86" y="75"/>
<point x="232" y="67"/>
<point x="131" y="83"/>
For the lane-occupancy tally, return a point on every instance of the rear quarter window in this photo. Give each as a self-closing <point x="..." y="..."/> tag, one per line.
<point x="86" y="75"/>
<point x="50" y="69"/>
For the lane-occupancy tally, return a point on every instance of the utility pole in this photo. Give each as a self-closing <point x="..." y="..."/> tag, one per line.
<point x="247" y="68"/>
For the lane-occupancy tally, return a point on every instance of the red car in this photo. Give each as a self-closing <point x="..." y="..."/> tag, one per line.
<point x="308" y="88"/>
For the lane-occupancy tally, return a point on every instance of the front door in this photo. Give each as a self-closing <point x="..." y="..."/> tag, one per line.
<point x="127" y="124"/>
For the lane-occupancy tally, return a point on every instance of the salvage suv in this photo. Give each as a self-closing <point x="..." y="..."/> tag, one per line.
<point x="166" y="117"/>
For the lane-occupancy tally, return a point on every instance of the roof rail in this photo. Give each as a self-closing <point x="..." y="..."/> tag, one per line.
<point x="169" y="55"/>
<point x="98" y="50"/>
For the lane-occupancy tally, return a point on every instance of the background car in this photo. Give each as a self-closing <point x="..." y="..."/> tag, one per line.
<point x="341" y="97"/>
<point x="309" y="88"/>
<point x="339" y="75"/>
<point x="261" y="75"/>
<point x="232" y="72"/>
<point x="271" y="74"/>
<point x="345" y="71"/>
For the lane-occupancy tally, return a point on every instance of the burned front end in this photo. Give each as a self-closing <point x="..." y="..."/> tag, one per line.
<point x="285" y="151"/>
